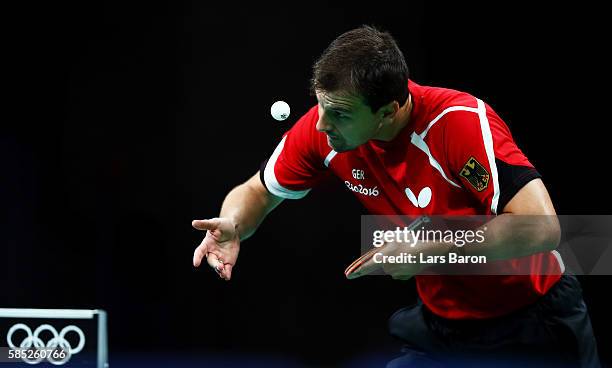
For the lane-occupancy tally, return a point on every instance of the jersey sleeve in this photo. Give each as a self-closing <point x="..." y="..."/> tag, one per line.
<point x="482" y="155"/>
<point x="297" y="164"/>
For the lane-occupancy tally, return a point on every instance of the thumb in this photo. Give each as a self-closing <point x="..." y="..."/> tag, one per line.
<point x="210" y="224"/>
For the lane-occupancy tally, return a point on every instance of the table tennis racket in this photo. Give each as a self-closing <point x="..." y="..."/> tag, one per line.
<point x="350" y="270"/>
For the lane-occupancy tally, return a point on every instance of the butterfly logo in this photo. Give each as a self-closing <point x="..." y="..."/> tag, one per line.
<point x="422" y="200"/>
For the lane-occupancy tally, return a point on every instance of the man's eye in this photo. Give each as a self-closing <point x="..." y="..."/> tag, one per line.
<point x="340" y="115"/>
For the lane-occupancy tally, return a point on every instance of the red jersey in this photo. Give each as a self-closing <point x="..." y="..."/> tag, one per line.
<point x="455" y="157"/>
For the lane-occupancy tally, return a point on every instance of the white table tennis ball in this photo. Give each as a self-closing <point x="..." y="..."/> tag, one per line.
<point x="280" y="110"/>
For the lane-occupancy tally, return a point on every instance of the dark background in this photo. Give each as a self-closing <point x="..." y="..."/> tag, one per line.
<point x="125" y="121"/>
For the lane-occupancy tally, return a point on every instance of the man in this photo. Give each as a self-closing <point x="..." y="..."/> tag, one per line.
<point x="406" y="149"/>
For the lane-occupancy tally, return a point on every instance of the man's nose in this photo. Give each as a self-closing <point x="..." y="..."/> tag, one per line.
<point x="323" y="125"/>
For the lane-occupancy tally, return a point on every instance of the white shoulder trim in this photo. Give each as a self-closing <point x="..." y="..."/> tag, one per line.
<point x="446" y="111"/>
<point x="270" y="177"/>
<point x="329" y="157"/>
<point x="420" y="143"/>
<point x="419" y="139"/>
<point x="487" y="138"/>
<point x="559" y="259"/>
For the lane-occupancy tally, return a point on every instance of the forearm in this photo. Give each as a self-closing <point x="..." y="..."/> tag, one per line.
<point x="507" y="236"/>
<point x="512" y="236"/>
<point x="527" y="225"/>
<point x="247" y="205"/>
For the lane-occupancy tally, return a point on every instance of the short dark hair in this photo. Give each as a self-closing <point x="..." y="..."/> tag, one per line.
<point x="364" y="61"/>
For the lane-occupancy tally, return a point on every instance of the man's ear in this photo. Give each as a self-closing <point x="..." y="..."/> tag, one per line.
<point x="387" y="112"/>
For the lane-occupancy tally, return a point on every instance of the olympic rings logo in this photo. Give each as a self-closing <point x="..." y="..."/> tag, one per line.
<point x="58" y="341"/>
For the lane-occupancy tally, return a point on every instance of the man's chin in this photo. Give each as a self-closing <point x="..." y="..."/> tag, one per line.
<point x="337" y="147"/>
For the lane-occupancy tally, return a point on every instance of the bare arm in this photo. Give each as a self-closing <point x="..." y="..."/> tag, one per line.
<point x="528" y="225"/>
<point x="243" y="210"/>
<point x="247" y="205"/>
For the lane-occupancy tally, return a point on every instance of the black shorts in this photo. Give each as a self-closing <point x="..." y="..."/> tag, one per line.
<point x="555" y="331"/>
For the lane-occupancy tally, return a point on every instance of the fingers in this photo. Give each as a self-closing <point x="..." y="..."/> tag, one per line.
<point x="366" y="268"/>
<point x="210" y="224"/>
<point x="199" y="253"/>
<point x="353" y="267"/>
<point x="214" y="256"/>
<point x="214" y="262"/>
<point x="366" y="265"/>
<point x="370" y="266"/>
<point x="223" y="270"/>
<point x="226" y="272"/>
<point x="224" y="266"/>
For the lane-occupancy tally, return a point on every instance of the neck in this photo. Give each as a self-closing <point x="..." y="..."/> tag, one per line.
<point x="401" y="119"/>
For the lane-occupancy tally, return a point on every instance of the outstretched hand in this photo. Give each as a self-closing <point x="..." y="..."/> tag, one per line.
<point x="220" y="246"/>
